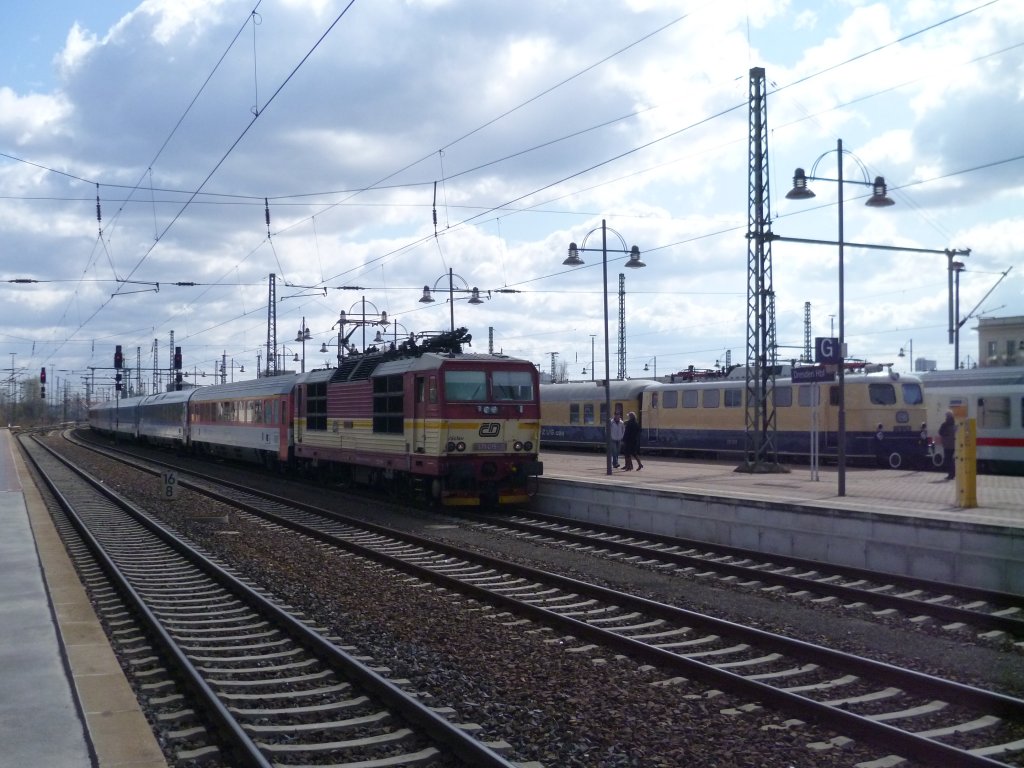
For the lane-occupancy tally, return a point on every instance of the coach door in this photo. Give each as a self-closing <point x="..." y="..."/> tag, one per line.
<point x="419" y="417"/>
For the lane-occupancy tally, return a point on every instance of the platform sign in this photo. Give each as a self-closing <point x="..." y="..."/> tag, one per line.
<point x="808" y="374"/>
<point x="170" y="481"/>
<point x="826" y="350"/>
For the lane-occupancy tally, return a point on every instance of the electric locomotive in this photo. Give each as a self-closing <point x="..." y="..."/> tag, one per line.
<point x="456" y="428"/>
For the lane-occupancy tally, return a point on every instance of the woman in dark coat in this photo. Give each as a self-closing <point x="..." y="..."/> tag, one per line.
<point x="631" y="443"/>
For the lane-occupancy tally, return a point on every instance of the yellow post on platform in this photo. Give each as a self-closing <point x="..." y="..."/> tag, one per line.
<point x="967" y="464"/>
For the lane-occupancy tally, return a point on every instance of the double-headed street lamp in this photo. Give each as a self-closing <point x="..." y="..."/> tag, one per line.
<point x="303" y="335"/>
<point x="878" y="199"/>
<point x="360" y="320"/>
<point x="474" y="293"/>
<point x="633" y="262"/>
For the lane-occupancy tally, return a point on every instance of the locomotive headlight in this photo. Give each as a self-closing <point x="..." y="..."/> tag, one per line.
<point x="451" y="446"/>
<point x="460" y="446"/>
<point x="902" y="417"/>
<point x="517" y="446"/>
<point x="528" y="445"/>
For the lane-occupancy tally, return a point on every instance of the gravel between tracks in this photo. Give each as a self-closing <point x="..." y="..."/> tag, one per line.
<point x="520" y="683"/>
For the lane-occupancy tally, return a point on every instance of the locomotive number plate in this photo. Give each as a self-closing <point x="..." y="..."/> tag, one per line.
<point x="488" y="446"/>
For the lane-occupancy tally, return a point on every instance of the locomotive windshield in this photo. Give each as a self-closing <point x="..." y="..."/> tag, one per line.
<point x="512" y="385"/>
<point x="465" y="385"/>
<point x="912" y="394"/>
<point x="471" y="386"/>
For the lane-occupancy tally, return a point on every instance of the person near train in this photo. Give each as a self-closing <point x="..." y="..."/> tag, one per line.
<point x="631" y="443"/>
<point x="947" y="433"/>
<point x="618" y="431"/>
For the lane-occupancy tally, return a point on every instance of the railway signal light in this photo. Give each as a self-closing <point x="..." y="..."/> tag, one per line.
<point x="177" y="360"/>
<point x="118" y="357"/>
<point x="117" y="382"/>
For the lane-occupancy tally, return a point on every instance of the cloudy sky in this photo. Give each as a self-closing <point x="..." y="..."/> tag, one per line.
<point x="394" y="140"/>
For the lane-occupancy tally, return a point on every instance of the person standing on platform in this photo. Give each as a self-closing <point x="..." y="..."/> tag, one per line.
<point x="947" y="433"/>
<point x="618" y="429"/>
<point x="631" y="443"/>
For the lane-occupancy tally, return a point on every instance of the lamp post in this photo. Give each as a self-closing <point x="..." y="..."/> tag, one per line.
<point x="592" y="361"/>
<point x="474" y="298"/>
<point x="878" y="199"/>
<point x="303" y="335"/>
<point x="361" y="321"/>
<point x="646" y="368"/>
<point x="633" y="262"/>
<point x="910" y="345"/>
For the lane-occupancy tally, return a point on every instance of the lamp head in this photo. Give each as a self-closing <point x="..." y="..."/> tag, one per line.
<point x="800" y="190"/>
<point x="475" y="297"/>
<point x="323" y="347"/>
<point x="902" y="353"/>
<point x="426" y="298"/>
<point x="573" y="259"/>
<point x="634" y="259"/>
<point x="878" y="198"/>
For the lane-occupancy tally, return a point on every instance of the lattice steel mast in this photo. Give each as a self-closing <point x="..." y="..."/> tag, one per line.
<point x="762" y="352"/>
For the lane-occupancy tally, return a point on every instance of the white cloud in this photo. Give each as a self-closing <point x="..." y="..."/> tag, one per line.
<point x="529" y="149"/>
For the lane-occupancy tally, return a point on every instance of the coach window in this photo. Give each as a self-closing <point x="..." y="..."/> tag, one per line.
<point x="670" y="399"/>
<point x="808" y="395"/>
<point x="574" y="413"/>
<point x="588" y="413"/>
<point x="993" y="413"/>
<point x="733" y="398"/>
<point x="690" y="399"/>
<point x="711" y="398"/>
<point x="882" y="394"/>
<point x="465" y="386"/>
<point x="783" y="397"/>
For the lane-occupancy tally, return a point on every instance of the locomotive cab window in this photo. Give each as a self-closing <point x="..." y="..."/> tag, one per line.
<point x="882" y="394"/>
<point x="512" y="385"/>
<point x="465" y="386"/>
<point x="912" y="394"/>
<point x="670" y="399"/>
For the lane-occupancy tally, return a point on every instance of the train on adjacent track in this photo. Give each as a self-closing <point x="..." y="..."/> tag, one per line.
<point x="458" y="429"/>
<point x="704" y="415"/>
<point x="994" y="398"/>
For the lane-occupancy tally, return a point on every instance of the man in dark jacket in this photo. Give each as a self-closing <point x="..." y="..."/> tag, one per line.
<point x="947" y="433"/>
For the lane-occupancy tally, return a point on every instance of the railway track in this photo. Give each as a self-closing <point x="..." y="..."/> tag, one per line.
<point x="272" y="689"/>
<point x="898" y="711"/>
<point x="958" y="608"/>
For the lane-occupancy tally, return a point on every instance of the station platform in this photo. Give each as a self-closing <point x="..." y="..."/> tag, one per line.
<point x="64" y="699"/>
<point x="911" y="493"/>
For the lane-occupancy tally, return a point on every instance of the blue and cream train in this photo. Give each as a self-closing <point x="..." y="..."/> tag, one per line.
<point x="885" y="416"/>
<point x="460" y="429"/>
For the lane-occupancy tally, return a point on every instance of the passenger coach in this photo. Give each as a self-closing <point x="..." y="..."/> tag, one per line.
<point x="885" y="416"/>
